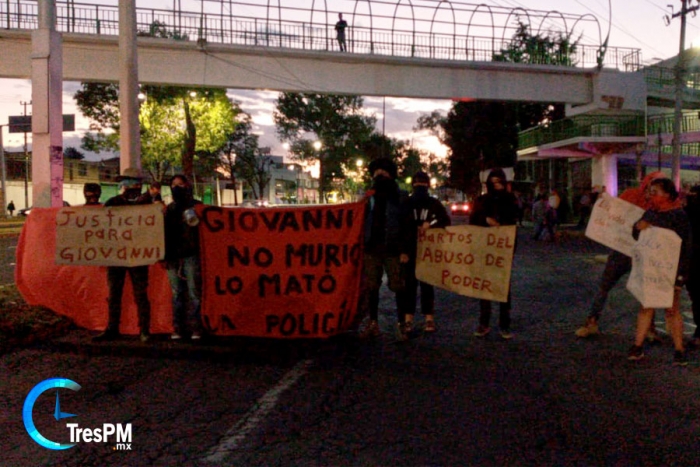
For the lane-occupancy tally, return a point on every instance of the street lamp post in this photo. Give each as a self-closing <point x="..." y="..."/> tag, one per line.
<point x="317" y="147"/>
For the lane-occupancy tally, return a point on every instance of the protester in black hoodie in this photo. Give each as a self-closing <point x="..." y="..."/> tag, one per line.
<point x="382" y="242"/>
<point x="496" y="207"/>
<point x="182" y="259"/>
<point x="420" y="211"/>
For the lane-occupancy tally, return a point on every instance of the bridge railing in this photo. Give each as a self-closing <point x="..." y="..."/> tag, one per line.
<point x="239" y="29"/>
<point x="663" y="124"/>
<point x="582" y="126"/>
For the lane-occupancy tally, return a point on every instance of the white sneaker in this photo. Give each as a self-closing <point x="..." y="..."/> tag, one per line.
<point x="175" y="336"/>
<point x="196" y="336"/>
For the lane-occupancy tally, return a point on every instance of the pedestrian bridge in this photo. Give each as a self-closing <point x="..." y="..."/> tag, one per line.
<point x="401" y="54"/>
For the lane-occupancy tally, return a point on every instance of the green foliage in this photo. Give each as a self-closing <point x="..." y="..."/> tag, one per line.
<point x="240" y="157"/>
<point x="178" y="125"/>
<point x="539" y="49"/>
<point x="482" y="135"/>
<point x="338" y="122"/>
<point x="73" y="154"/>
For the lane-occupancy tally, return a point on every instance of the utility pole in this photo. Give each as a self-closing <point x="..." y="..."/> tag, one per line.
<point x="680" y="84"/>
<point x="26" y="160"/>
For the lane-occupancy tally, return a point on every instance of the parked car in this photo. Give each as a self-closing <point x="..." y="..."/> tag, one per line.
<point x="255" y="203"/>
<point x="26" y="211"/>
<point x="460" y="208"/>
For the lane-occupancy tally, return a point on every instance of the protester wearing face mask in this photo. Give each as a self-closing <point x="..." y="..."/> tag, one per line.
<point x="665" y="211"/>
<point x="92" y="193"/>
<point x="420" y="211"/>
<point x="382" y="237"/>
<point x="496" y="207"/>
<point x="130" y="184"/>
<point x="182" y="259"/>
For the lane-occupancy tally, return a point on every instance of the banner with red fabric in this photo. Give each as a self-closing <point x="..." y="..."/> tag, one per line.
<point x="80" y="292"/>
<point x="290" y="272"/>
<point x="275" y="272"/>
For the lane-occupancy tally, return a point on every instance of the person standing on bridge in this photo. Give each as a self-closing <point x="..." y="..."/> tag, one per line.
<point x="182" y="259"/>
<point x="497" y="207"/>
<point x="130" y="184"/>
<point x="340" y="32"/>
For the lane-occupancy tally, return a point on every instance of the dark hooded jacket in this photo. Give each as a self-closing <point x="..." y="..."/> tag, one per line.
<point x="498" y="204"/>
<point x="420" y="207"/>
<point x="181" y="240"/>
<point x="383" y="222"/>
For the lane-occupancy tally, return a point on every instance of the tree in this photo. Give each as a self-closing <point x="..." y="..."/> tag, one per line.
<point x="482" y="135"/>
<point x="337" y="122"/>
<point x="237" y="156"/>
<point x="178" y="125"/>
<point x="73" y="154"/>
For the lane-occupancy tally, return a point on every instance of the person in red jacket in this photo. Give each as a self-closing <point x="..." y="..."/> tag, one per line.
<point x="618" y="264"/>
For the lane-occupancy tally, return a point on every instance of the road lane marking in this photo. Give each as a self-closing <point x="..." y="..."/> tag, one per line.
<point x="256" y="415"/>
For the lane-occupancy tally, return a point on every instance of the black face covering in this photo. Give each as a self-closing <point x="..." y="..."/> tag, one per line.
<point x="420" y="191"/>
<point x="179" y="194"/>
<point x="132" y="193"/>
<point x="383" y="185"/>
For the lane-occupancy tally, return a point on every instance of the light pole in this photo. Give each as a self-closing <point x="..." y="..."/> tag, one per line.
<point x="317" y="147"/>
<point x="3" y="167"/>
<point x="359" y="164"/>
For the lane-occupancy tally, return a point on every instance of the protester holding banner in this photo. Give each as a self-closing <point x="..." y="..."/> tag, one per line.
<point x="182" y="259"/>
<point x="382" y="243"/>
<point x="420" y="211"/>
<point x="496" y="207"/>
<point x="665" y="212"/>
<point x="618" y="264"/>
<point x="130" y="184"/>
<point x="692" y="209"/>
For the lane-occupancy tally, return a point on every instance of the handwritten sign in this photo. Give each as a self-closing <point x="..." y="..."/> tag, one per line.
<point x="281" y="272"/>
<point x="654" y="267"/>
<point x="468" y="260"/>
<point x="611" y="223"/>
<point x="114" y="236"/>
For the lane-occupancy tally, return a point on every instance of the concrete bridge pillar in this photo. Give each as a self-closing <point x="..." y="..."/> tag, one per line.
<point x="129" y="136"/>
<point x="47" y="109"/>
<point x="604" y="173"/>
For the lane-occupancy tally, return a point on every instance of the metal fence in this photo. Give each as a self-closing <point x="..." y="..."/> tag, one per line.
<point x="582" y="126"/>
<point x="369" y="34"/>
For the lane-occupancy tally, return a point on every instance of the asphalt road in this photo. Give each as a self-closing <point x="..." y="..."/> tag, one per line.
<point x="544" y="398"/>
<point x="8" y="248"/>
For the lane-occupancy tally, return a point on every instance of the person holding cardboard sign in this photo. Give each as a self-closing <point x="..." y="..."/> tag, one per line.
<point x="420" y="211"/>
<point x="618" y="264"/>
<point x="130" y="184"/>
<point x="497" y="207"/>
<point x="666" y="212"/>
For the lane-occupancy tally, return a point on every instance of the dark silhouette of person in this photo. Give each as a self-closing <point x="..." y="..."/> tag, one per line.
<point x="11" y="207"/>
<point x="92" y="193"/>
<point x="340" y="32"/>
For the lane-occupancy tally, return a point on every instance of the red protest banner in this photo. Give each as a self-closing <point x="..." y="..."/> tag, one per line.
<point x="281" y="272"/>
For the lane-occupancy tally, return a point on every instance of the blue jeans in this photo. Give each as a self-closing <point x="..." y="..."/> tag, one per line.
<point x="185" y="284"/>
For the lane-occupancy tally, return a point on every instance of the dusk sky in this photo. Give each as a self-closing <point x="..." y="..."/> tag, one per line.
<point x="639" y="27"/>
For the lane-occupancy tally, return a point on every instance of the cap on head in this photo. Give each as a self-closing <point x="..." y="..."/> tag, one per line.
<point x="420" y="177"/>
<point x="130" y="177"/>
<point x="130" y="173"/>
<point x="383" y="163"/>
